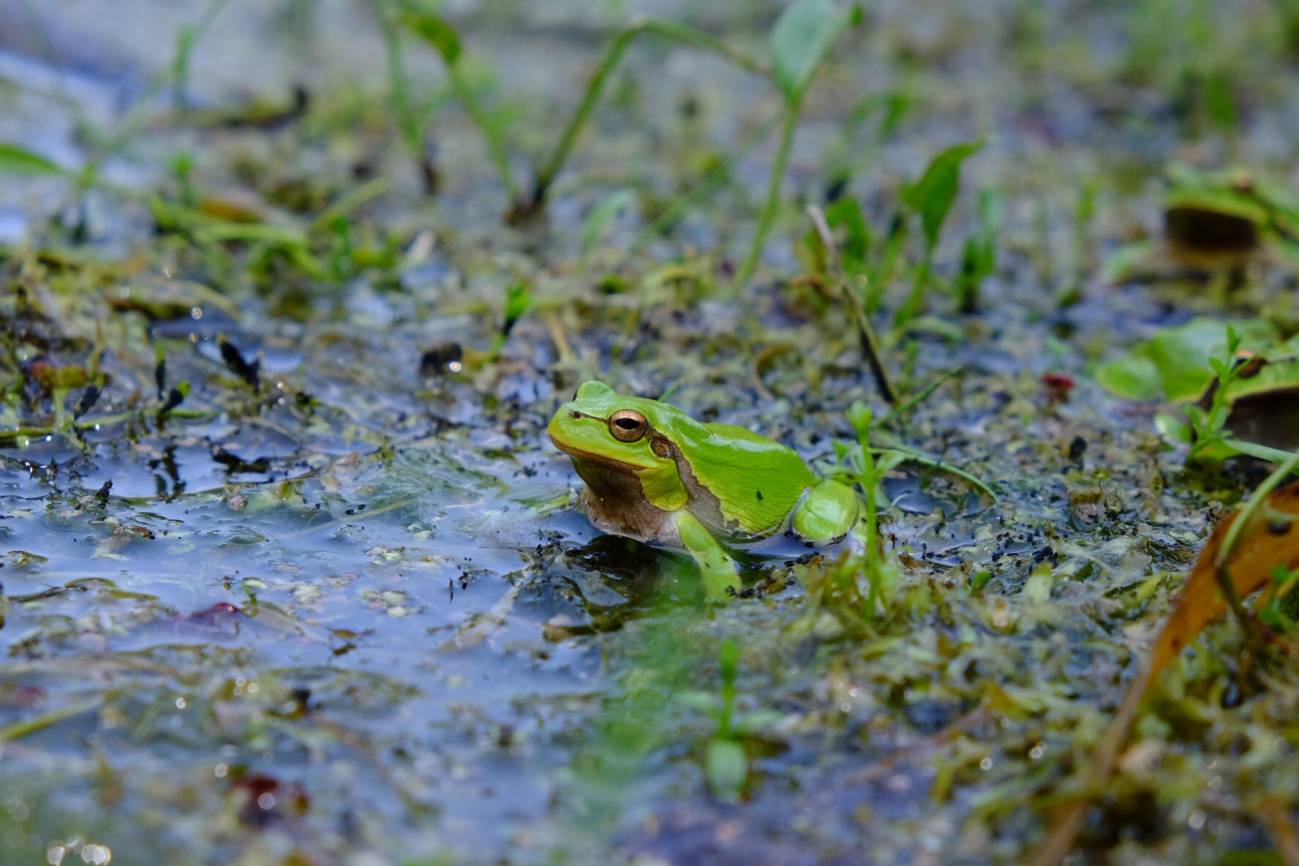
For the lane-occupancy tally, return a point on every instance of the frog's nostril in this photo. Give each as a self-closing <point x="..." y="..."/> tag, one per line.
<point x="575" y="415"/>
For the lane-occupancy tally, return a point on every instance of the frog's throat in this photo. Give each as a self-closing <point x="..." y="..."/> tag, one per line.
<point x="616" y="502"/>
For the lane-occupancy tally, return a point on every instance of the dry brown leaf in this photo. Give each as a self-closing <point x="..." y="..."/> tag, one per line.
<point x="1271" y="540"/>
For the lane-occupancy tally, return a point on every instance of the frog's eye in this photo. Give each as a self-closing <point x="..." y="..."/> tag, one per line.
<point x="628" y="425"/>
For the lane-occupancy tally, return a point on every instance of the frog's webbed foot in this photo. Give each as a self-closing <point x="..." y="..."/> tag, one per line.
<point x="829" y="511"/>
<point x="719" y="571"/>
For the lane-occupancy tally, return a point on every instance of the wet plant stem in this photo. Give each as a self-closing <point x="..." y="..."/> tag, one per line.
<point x="1229" y="542"/>
<point x="772" y="205"/>
<point x="870" y="344"/>
<point x="672" y="31"/>
<point x="18" y="730"/>
<point x="399" y="87"/>
<point x="496" y="149"/>
<point x="915" y="298"/>
<point x="185" y="42"/>
<point x="715" y="179"/>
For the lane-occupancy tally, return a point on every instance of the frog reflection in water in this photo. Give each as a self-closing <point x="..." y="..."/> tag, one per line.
<point x="655" y="474"/>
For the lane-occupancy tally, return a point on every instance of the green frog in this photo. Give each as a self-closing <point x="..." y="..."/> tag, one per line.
<point x="655" y="474"/>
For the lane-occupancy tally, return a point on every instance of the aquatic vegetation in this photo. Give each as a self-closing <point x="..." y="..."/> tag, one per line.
<point x="289" y="573"/>
<point x="931" y="197"/>
<point x="1242" y="396"/>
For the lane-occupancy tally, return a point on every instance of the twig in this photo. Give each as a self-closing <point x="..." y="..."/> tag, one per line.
<point x="866" y="333"/>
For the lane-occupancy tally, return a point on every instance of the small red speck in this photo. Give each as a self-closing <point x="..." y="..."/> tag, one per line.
<point x="221" y="612"/>
<point x="1057" y="381"/>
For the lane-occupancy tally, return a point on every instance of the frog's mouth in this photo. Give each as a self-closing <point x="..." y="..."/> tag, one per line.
<point x="578" y="453"/>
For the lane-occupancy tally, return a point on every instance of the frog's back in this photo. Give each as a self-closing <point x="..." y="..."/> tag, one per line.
<point x="755" y="482"/>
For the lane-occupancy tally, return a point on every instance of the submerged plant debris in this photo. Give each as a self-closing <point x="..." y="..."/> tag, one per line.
<point x="290" y="576"/>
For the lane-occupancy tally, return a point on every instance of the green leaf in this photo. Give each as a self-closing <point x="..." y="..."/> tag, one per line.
<point x="1173" y="429"/>
<point x="860" y="417"/>
<point x="433" y="29"/>
<point x="801" y="38"/>
<point x="932" y="196"/>
<point x="1132" y="378"/>
<point x="20" y="160"/>
<point x="518" y="300"/>
<point x="727" y="768"/>
<point x="729" y="660"/>
<point x="602" y="215"/>
<point x="1177" y="363"/>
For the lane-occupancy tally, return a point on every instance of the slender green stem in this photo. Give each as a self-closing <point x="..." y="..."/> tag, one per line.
<point x="1247" y="513"/>
<point x="18" y="730"/>
<point x="185" y="42"/>
<point x="772" y="205"/>
<point x="1262" y="452"/>
<point x="552" y="165"/>
<point x="400" y="90"/>
<point x="918" y="398"/>
<point x="715" y="179"/>
<point x="350" y="201"/>
<point x="915" y="299"/>
<point x="922" y="459"/>
<point x="496" y="149"/>
<point x="1232" y="538"/>
<point x="690" y="36"/>
<point x="870" y="344"/>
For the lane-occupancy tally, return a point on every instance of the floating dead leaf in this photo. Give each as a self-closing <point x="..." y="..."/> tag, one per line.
<point x="1243" y="559"/>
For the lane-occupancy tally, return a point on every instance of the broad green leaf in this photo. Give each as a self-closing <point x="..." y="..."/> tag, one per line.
<point x="20" y="160"/>
<point x="602" y="215"/>
<point x="1177" y="363"/>
<point x="1121" y="264"/>
<point x="802" y="36"/>
<point x="932" y="196"/>
<point x="726" y="767"/>
<point x="433" y="29"/>
<point x="1173" y="428"/>
<point x="1183" y="356"/>
<point x="1132" y="378"/>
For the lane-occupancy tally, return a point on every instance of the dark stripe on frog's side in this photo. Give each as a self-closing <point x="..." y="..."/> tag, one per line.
<point x="745" y="465"/>
<point x="704" y="505"/>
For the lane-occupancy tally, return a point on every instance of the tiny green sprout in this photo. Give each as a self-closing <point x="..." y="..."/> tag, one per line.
<point x="1208" y="427"/>
<point x="979" y="256"/>
<point x="518" y="301"/>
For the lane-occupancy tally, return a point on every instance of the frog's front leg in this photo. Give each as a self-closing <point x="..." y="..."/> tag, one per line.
<point x="828" y="511"/>
<point x="715" y="565"/>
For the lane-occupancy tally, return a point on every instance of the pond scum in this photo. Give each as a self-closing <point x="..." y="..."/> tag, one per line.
<point x="289" y="291"/>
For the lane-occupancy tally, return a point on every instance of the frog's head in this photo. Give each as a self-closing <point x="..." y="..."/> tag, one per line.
<point x="602" y="425"/>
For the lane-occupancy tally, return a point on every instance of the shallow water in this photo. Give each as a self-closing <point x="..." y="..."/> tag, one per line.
<point x="344" y="614"/>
